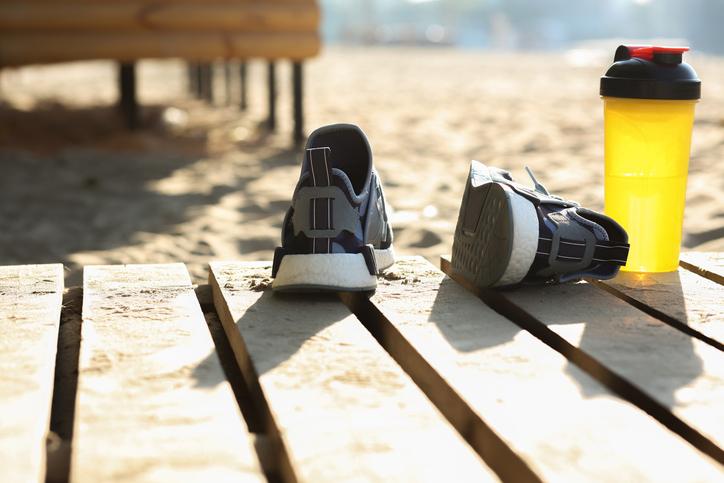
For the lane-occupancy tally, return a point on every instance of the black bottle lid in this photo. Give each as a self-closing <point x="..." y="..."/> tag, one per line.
<point x="648" y="72"/>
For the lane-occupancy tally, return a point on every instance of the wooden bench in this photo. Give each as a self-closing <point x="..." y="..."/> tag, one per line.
<point x="42" y="31"/>
<point x="140" y="376"/>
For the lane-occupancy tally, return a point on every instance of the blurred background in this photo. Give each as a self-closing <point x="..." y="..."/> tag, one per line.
<point x="434" y="83"/>
<point x="521" y="24"/>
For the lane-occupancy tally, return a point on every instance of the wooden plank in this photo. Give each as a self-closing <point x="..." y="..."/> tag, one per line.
<point x="30" y="301"/>
<point x="564" y="425"/>
<point x="154" y="16"/>
<point x="19" y="48"/>
<point x="706" y="264"/>
<point x="153" y="403"/>
<point x="683" y="374"/>
<point x="342" y="407"/>
<point x="684" y="299"/>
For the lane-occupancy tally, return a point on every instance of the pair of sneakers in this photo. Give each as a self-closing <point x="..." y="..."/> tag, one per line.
<point x="336" y="235"/>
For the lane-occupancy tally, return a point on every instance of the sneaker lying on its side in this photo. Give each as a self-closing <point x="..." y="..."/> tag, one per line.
<point x="509" y="234"/>
<point x="335" y="236"/>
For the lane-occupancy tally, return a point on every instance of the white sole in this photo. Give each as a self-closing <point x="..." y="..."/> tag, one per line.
<point x="496" y="237"/>
<point x="384" y="258"/>
<point x="525" y="239"/>
<point x="329" y="272"/>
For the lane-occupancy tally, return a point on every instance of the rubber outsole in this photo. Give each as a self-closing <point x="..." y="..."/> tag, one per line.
<point x="384" y="258"/>
<point x="495" y="237"/>
<point x="329" y="272"/>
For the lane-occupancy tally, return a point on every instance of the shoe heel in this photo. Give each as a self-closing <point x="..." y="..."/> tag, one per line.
<point x="324" y="272"/>
<point x="484" y="235"/>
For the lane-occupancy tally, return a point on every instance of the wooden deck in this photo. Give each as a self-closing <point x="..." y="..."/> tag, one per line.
<point x="140" y="376"/>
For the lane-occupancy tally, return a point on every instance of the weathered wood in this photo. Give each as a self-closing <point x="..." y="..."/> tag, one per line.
<point x="138" y="15"/>
<point x="563" y="424"/>
<point x="30" y="303"/>
<point x="21" y="48"/>
<point x="153" y="403"/>
<point x="683" y="374"/>
<point x="706" y="264"/>
<point x="344" y="410"/>
<point x="66" y="382"/>
<point x="684" y="299"/>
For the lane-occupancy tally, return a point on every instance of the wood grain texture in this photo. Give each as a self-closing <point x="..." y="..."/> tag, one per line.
<point x="682" y="373"/>
<point x="153" y="403"/>
<point x="30" y="302"/>
<point x="344" y="410"/>
<point x="706" y="264"/>
<point x="689" y="299"/>
<point x="564" y="424"/>
<point x="154" y="16"/>
<point x="21" y="48"/>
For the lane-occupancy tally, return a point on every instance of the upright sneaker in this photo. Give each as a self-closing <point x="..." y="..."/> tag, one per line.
<point x="335" y="236"/>
<point x="508" y="234"/>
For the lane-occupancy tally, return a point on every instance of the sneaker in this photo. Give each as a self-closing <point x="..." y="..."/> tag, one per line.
<point x="508" y="234"/>
<point x="336" y="235"/>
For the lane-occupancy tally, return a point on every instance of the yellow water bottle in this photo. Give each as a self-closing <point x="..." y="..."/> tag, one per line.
<point x="649" y="95"/>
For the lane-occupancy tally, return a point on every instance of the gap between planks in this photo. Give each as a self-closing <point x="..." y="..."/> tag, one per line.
<point x="147" y="358"/>
<point x="203" y="295"/>
<point x="340" y="404"/>
<point x="479" y="435"/>
<point x="65" y="388"/>
<point x="560" y="422"/>
<point x="669" y="305"/>
<point x="707" y="264"/>
<point x="59" y="444"/>
<point x="555" y="336"/>
<point x="689" y="299"/>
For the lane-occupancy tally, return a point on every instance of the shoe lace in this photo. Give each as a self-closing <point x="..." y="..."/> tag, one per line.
<point x="538" y="186"/>
<point x="542" y="189"/>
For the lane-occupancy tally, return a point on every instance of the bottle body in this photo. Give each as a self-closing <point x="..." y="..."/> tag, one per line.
<point x="647" y="145"/>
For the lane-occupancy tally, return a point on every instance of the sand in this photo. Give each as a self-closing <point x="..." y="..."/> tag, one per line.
<point x="201" y="183"/>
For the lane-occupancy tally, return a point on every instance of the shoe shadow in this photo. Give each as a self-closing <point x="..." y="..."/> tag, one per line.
<point x="278" y="325"/>
<point x="466" y="332"/>
<point x="628" y="342"/>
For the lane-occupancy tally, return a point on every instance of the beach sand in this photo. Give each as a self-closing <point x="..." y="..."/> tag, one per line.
<point x="200" y="183"/>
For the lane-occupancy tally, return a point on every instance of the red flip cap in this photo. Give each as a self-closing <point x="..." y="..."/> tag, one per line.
<point x="647" y="52"/>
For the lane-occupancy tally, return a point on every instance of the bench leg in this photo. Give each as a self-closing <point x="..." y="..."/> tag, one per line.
<point x="272" y="82"/>
<point x="227" y="82"/>
<point x="199" y="84"/>
<point x="191" y="78"/>
<point x="127" y="88"/>
<point x="206" y="79"/>
<point x="242" y="86"/>
<point x="297" y="88"/>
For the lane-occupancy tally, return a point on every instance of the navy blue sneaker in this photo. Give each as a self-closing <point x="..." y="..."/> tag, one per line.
<point x="335" y="236"/>
<point x="508" y="234"/>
